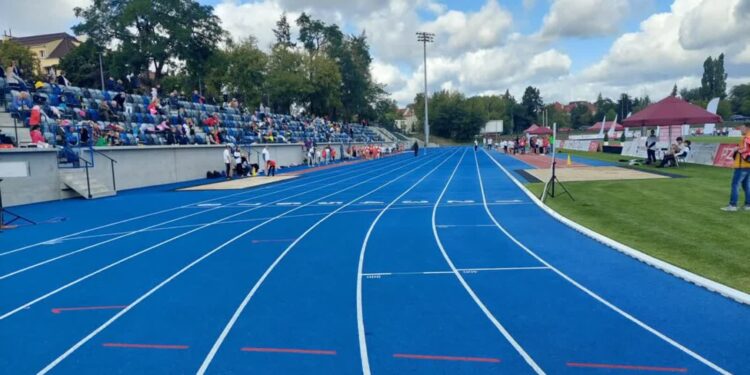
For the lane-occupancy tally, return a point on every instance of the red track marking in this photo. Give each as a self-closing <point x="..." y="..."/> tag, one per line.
<point x="627" y="367"/>
<point x="286" y="350"/>
<point x="447" y="358"/>
<point x="279" y="240"/>
<point x="143" y="346"/>
<point x="58" y="310"/>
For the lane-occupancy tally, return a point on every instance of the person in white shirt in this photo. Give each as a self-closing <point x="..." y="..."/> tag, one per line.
<point x="238" y="171"/>
<point x="266" y="156"/>
<point x="476" y="145"/>
<point x="228" y="160"/>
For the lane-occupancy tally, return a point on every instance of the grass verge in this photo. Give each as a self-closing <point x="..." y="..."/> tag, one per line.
<point x="677" y="220"/>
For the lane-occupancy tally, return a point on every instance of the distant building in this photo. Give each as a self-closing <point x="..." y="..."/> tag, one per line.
<point x="48" y="48"/>
<point x="407" y="121"/>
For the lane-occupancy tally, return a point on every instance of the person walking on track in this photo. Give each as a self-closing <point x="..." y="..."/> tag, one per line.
<point x="266" y="156"/>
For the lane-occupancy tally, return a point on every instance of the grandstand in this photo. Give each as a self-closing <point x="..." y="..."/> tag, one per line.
<point x="74" y="108"/>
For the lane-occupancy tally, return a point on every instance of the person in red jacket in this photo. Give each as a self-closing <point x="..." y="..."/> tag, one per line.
<point x="36" y="117"/>
<point x="271" y="167"/>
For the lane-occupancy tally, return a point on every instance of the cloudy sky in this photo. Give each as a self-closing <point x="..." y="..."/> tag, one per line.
<point x="570" y="49"/>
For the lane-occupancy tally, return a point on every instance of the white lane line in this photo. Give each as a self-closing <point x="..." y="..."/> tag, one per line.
<point x="128" y="234"/>
<point x="415" y="202"/>
<point x="364" y="356"/>
<point x="597" y="297"/>
<point x="153" y="290"/>
<point x="465" y="201"/>
<point x="530" y="361"/>
<point x="444" y="226"/>
<point x="253" y="204"/>
<point x="372" y="202"/>
<point x="220" y="340"/>
<point x="330" y="203"/>
<point x="82" y="278"/>
<point x="209" y="205"/>
<point x="462" y="270"/>
<point x="333" y="174"/>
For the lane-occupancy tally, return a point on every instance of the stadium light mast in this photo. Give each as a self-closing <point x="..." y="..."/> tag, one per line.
<point x="425" y="38"/>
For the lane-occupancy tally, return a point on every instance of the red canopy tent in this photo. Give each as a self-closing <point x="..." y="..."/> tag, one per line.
<point x="598" y="126"/>
<point x="671" y="111"/>
<point x="538" y="130"/>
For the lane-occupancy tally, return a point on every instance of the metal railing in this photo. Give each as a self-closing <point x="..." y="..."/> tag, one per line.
<point x="112" y="163"/>
<point x="86" y="165"/>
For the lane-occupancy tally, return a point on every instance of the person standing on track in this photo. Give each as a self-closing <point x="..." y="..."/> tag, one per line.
<point x="651" y="148"/>
<point x="271" y="168"/>
<point x="741" y="175"/>
<point x="228" y="160"/>
<point x="476" y="145"/>
<point x="266" y="156"/>
<point x="415" y="147"/>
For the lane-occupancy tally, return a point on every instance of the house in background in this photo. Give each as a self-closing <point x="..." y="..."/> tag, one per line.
<point x="407" y="120"/>
<point x="48" y="48"/>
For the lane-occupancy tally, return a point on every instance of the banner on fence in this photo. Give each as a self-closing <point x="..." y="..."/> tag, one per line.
<point x="724" y="155"/>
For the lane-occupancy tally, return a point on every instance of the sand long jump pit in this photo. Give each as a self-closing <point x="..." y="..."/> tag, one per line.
<point x="594" y="174"/>
<point x="241" y="183"/>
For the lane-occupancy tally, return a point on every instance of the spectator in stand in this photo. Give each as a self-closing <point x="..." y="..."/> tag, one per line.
<point x="61" y="80"/>
<point x="212" y="121"/>
<point x="35" y="119"/>
<point x="173" y="99"/>
<point x="38" y="139"/>
<point x="154" y="106"/>
<point x="741" y="176"/>
<point x="111" y="84"/>
<point x="324" y="154"/>
<point x="155" y="92"/>
<point x="13" y="77"/>
<point x="22" y="104"/>
<point x="238" y="171"/>
<point x="105" y="112"/>
<point x="119" y="100"/>
<point x="119" y="86"/>
<point x="198" y="98"/>
<point x="84" y="135"/>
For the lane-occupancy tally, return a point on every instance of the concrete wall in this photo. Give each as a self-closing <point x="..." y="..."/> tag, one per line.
<point x="43" y="183"/>
<point x="136" y="167"/>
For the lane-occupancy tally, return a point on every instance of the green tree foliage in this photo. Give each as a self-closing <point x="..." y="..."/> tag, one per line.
<point x="153" y="32"/>
<point x="740" y="99"/>
<point x="714" y="80"/>
<point x="242" y="68"/>
<point x="324" y="96"/>
<point x="81" y="65"/>
<point x="27" y="62"/>
<point x="674" y="91"/>
<point x="531" y="106"/>
<point x="287" y="81"/>
<point x="283" y="33"/>
<point x="386" y="111"/>
<point x="581" y="117"/>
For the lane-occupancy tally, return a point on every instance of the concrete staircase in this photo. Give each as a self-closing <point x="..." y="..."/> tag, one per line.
<point x="75" y="179"/>
<point x="383" y="132"/>
<point x="6" y="127"/>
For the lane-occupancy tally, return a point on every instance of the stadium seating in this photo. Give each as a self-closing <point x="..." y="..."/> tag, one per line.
<point x="74" y="108"/>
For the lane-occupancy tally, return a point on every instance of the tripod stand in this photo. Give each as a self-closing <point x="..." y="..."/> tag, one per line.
<point x="549" y="187"/>
<point x="14" y="217"/>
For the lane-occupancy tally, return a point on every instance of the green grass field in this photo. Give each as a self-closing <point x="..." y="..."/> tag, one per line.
<point x="677" y="220"/>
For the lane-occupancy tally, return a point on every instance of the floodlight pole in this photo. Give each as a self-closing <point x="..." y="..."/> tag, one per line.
<point x="425" y="38"/>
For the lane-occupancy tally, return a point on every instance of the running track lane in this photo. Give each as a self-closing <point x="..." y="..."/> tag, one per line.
<point x="122" y="283"/>
<point x="99" y="358"/>
<point x="705" y="322"/>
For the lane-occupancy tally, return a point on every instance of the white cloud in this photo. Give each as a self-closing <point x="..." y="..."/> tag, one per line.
<point x="26" y="18"/>
<point x="715" y="22"/>
<point x="253" y="18"/>
<point x="584" y="18"/>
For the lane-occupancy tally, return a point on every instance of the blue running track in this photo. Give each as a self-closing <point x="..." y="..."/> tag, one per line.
<point x="437" y="264"/>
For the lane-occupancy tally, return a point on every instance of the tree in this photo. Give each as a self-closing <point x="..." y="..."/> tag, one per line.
<point x="27" y="62"/>
<point x="580" y="117"/>
<point x="324" y="96"/>
<point x="287" y="81"/>
<point x="283" y="33"/>
<point x="740" y="99"/>
<point x="714" y="80"/>
<point x="81" y="65"/>
<point x="624" y="105"/>
<point x="153" y="33"/>
<point x="386" y="111"/>
<point x="243" y="71"/>
<point x="358" y="89"/>
<point x="531" y="104"/>
<point x="674" y="90"/>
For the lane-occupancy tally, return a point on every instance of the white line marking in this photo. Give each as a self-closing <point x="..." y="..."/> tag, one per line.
<point x="364" y="356"/>
<point x="332" y="174"/>
<point x="444" y="226"/>
<point x="415" y="202"/>
<point x="372" y="202"/>
<point x="467" y="201"/>
<point x="509" y="201"/>
<point x="220" y="340"/>
<point x="209" y="205"/>
<point x="463" y="270"/>
<point x="288" y="203"/>
<point x="330" y="203"/>
<point x="72" y="283"/>
<point x="586" y="290"/>
<point x="250" y="204"/>
<point x="530" y="361"/>
<point x="91" y="335"/>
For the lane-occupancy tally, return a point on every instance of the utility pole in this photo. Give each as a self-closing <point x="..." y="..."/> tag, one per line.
<point x="425" y="38"/>
<point x="101" y="70"/>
